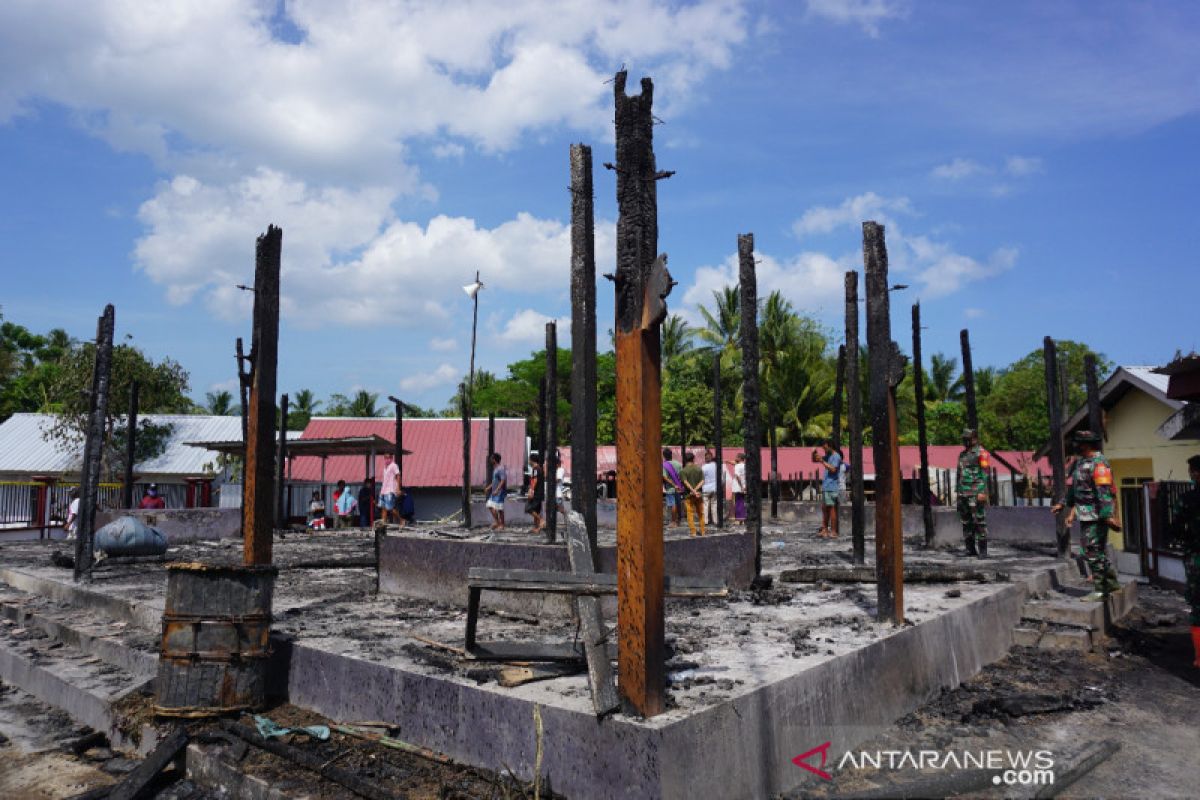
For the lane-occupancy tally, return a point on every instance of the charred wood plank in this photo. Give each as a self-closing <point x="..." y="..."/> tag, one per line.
<point x="258" y="512"/>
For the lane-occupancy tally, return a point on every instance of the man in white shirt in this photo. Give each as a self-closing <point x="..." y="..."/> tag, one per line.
<point x="72" y="523"/>
<point x="389" y="489"/>
<point x="709" y="489"/>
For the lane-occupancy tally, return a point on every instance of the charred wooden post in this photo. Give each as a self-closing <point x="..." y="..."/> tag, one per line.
<point x="583" y="342"/>
<point x="551" y="458"/>
<point x="772" y="434"/>
<point x="491" y="446"/>
<point x="280" y="461"/>
<point x="130" y="446"/>
<point x="858" y="513"/>
<point x="1058" y="465"/>
<point x="243" y="388"/>
<point x="887" y="370"/>
<point x="258" y="515"/>
<point x="683" y="433"/>
<point x="464" y="408"/>
<point x="1095" y="412"/>
<point x="93" y="446"/>
<point x="751" y="411"/>
<point x="969" y="381"/>
<point x="839" y="392"/>
<point x="717" y="443"/>
<point x="922" y="432"/>
<point x="398" y="454"/>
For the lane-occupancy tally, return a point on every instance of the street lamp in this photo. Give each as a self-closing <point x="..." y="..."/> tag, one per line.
<point x="472" y="290"/>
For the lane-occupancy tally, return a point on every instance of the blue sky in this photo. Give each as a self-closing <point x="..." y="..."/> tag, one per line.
<point x="1035" y="164"/>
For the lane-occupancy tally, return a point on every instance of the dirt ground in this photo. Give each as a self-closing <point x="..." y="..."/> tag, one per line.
<point x="1142" y="692"/>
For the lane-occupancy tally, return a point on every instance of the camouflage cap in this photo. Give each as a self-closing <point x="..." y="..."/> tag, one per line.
<point x="1086" y="437"/>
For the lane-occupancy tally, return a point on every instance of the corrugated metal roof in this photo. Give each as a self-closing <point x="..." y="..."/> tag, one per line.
<point x="24" y="448"/>
<point x="436" y="445"/>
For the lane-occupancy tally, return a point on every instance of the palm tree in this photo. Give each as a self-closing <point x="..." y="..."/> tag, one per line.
<point x="303" y="407"/>
<point x="985" y="381"/>
<point x="943" y="385"/>
<point x="676" y="341"/>
<point x="363" y="404"/>
<point x="721" y="326"/>
<point x="219" y="404"/>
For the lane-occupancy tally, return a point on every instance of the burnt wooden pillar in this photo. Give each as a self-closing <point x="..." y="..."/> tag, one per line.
<point x="491" y="446"/>
<point x="642" y="281"/>
<point x="717" y="443"/>
<point x="887" y="370"/>
<point x="398" y="454"/>
<point x="839" y="392"/>
<point x="1057" y="456"/>
<point x="922" y="432"/>
<point x="858" y="515"/>
<point x="130" y="446"/>
<point x="243" y="391"/>
<point x="1095" y="412"/>
<point x="93" y="446"/>
<point x="551" y="458"/>
<point x="751" y="410"/>
<point x="280" y="461"/>
<point x="583" y="342"/>
<point x="969" y="381"/>
<point x="683" y="433"/>
<point x="258" y="513"/>
<point x="464" y="409"/>
<point x="772" y="434"/>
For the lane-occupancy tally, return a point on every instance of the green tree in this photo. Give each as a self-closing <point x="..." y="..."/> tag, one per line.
<point x="219" y="403"/>
<point x="302" y="407"/>
<point x="29" y="368"/>
<point x="943" y="383"/>
<point x="721" y="325"/>
<point x="676" y="342"/>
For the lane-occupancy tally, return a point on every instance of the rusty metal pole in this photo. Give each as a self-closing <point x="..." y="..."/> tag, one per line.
<point x="969" y="380"/>
<point x="280" y="461"/>
<point x="751" y="408"/>
<point x="641" y="284"/>
<point x="922" y="431"/>
<point x="839" y="392"/>
<point x="130" y="446"/>
<point x="93" y="446"/>
<point x="1062" y="535"/>
<point x="1095" y="412"/>
<point x="858" y="512"/>
<point x="583" y="343"/>
<point x="258" y="511"/>
<point x="551" y="458"/>
<point x="886" y="372"/>
<point x="717" y="443"/>
<point x="464" y="407"/>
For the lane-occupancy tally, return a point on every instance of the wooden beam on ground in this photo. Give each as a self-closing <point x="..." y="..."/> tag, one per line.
<point x="93" y="447"/>
<point x="887" y="370"/>
<point x="641" y="284"/>
<point x="583" y="342"/>
<point x="913" y="573"/>
<point x="584" y="583"/>
<point x="258" y="514"/>
<point x="137" y="782"/>
<point x="751" y="408"/>
<point x="854" y="421"/>
<point x="591" y="620"/>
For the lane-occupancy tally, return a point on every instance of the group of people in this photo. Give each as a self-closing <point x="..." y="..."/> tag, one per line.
<point x="394" y="504"/>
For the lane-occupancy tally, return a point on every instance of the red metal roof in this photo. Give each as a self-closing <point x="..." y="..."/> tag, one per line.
<point x="436" y="446"/>
<point x="798" y="460"/>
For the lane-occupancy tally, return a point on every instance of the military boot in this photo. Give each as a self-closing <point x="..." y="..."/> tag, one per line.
<point x="970" y="542"/>
<point x="983" y="548"/>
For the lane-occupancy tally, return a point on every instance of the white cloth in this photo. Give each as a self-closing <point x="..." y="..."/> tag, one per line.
<point x="739" y="477"/>
<point x="709" y="471"/>
<point x="560" y="478"/>
<point x="73" y="517"/>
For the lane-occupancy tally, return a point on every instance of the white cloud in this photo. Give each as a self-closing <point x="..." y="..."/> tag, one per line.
<point x="529" y="327"/>
<point x="1021" y="166"/>
<point x="853" y="210"/>
<point x="442" y="345"/>
<point x="958" y="169"/>
<point x="449" y="150"/>
<point x="867" y="14"/>
<point x="444" y="375"/>
<point x="346" y="244"/>
<point x="811" y="281"/>
<point x="974" y="313"/>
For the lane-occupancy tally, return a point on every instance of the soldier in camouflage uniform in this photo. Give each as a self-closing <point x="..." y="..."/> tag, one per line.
<point x="1187" y="519"/>
<point x="972" y="491"/>
<point x="1090" y="498"/>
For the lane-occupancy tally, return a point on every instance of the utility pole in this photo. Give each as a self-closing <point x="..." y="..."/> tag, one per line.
<point x="887" y="370"/>
<point x="642" y="282"/>
<point x="1057" y="457"/>
<point x="258" y="513"/>
<point x="93" y="446"/>
<point x="130" y="445"/>
<point x="583" y="342"/>
<point x="922" y="433"/>
<point x="858" y="513"/>
<point x="468" y="402"/>
<point x="751" y="409"/>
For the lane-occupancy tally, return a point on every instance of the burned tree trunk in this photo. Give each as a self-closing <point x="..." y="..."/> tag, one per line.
<point x="1057" y="457"/>
<point x="751" y="410"/>
<point x="969" y="381"/>
<point x="858" y="514"/>
<point x="922" y="433"/>
<point x="258" y="515"/>
<point x="464" y="408"/>
<point x="583" y="342"/>
<point x="551" y="458"/>
<point x="93" y="446"/>
<point x="717" y="440"/>
<point x="1095" y="412"/>
<point x="642" y="283"/>
<point x="839" y="392"/>
<point x="887" y="370"/>
<point x="130" y="446"/>
<point x="280" y="461"/>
